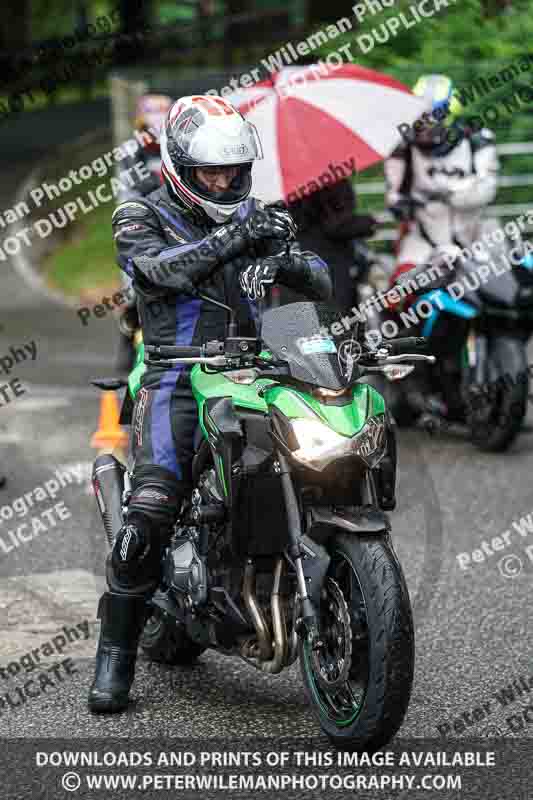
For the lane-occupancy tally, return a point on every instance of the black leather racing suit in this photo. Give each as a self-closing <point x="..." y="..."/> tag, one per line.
<point x="165" y="414"/>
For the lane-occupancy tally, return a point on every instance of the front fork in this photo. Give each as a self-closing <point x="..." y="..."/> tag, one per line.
<point x="476" y="354"/>
<point x="307" y="621"/>
<point x="476" y="372"/>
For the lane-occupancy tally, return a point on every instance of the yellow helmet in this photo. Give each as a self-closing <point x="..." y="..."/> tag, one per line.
<point x="439" y="89"/>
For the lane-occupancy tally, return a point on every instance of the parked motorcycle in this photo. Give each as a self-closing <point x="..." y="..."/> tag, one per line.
<point x="481" y="377"/>
<point x="284" y="550"/>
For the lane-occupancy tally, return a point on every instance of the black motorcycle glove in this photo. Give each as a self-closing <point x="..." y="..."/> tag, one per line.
<point x="270" y="222"/>
<point x="260" y="275"/>
<point x="303" y="271"/>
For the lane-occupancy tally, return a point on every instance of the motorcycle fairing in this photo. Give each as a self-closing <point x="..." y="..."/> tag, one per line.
<point x="139" y="368"/>
<point x="346" y="420"/>
<point x="446" y="303"/>
<point x="226" y="439"/>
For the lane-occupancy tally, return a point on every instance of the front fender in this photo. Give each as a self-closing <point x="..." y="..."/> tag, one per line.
<point x="323" y="523"/>
<point x="315" y="564"/>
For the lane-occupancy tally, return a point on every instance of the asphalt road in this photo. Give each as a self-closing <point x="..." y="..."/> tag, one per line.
<point x="473" y="625"/>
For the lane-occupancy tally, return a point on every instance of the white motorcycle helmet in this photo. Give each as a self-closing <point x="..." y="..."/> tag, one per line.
<point x="206" y="131"/>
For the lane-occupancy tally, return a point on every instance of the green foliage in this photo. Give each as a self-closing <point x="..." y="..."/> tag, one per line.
<point x="51" y="18"/>
<point x="458" y="36"/>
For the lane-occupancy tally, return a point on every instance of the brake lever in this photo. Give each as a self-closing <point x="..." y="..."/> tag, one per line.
<point x="215" y="361"/>
<point x="411" y="356"/>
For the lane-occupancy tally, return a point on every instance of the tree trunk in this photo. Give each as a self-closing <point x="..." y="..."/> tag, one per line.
<point x="15" y="25"/>
<point x="235" y="33"/>
<point x="134" y="14"/>
<point x="15" y="34"/>
<point x="319" y="11"/>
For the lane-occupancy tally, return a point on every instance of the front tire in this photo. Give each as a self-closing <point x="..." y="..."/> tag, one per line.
<point x="164" y="640"/>
<point x="364" y="711"/>
<point x="498" y="427"/>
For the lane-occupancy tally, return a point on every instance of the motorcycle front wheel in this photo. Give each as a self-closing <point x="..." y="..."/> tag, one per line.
<point x="496" y="428"/>
<point x="359" y="681"/>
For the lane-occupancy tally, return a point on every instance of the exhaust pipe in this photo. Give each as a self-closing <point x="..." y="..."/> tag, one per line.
<point x="108" y="484"/>
<point x="254" y="609"/>
<point x="273" y="655"/>
<point x="278" y="623"/>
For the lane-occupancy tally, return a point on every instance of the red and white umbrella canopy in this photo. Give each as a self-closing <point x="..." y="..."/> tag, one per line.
<point x="321" y="120"/>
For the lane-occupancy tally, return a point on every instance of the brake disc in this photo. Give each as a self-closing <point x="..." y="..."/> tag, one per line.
<point x="333" y="660"/>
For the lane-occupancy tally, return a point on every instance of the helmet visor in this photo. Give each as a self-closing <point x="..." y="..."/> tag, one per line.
<point x="205" y="185"/>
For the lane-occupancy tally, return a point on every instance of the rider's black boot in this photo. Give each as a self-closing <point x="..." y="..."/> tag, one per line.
<point x="122" y="617"/>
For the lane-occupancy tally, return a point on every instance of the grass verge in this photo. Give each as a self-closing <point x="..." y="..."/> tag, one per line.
<point x="84" y="265"/>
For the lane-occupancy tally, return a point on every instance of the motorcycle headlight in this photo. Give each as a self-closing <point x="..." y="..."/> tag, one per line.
<point x="319" y="445"/>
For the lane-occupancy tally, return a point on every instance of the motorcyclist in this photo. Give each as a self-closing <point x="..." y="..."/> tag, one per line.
<point x="440" y="178"/>
<point x="203" y="232"/>
<point x="150" y="114"/>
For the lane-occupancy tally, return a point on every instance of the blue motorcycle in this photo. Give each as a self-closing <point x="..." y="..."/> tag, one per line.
<point x="478" y="321"/>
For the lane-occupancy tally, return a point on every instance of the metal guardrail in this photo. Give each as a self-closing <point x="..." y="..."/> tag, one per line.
<point x="501" y="211"/>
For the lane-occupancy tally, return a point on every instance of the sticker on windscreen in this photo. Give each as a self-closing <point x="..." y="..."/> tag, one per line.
<point x="313" y="346"/>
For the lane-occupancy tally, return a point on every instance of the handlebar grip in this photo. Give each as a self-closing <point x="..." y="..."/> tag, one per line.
<point x="171" y="351"/>
<point x="408" y="344"/>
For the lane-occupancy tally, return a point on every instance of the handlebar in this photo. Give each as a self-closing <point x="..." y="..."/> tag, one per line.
<point x="163" y="351"/>
<point x="407" y="344"/>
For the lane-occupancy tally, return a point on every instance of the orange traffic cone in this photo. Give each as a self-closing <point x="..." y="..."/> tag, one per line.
<point x="109" y="435"/>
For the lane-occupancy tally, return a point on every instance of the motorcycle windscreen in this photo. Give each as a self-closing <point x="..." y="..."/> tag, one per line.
<point x="301" y="334"/>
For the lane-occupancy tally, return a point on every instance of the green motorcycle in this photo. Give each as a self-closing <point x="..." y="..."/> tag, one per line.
<point x="283" y="550"/>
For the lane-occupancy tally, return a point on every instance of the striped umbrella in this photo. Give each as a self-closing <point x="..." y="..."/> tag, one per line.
<point x="321" y="123"/>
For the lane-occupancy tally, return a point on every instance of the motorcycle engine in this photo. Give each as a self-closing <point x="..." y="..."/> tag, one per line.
<point x="207" y="486"/>
<point x="186" y="570"/>
<point x="219" y="544"/>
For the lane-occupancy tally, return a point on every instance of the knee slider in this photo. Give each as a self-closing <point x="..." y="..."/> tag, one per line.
<point x="130" y="545"/>
<point x="130" y="554"/>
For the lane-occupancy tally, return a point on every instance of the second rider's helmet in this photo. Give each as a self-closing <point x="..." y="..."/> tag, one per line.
<point x="150" y="115"/>
<point x="206" y="131"/>
<point x="445" y="107"/>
